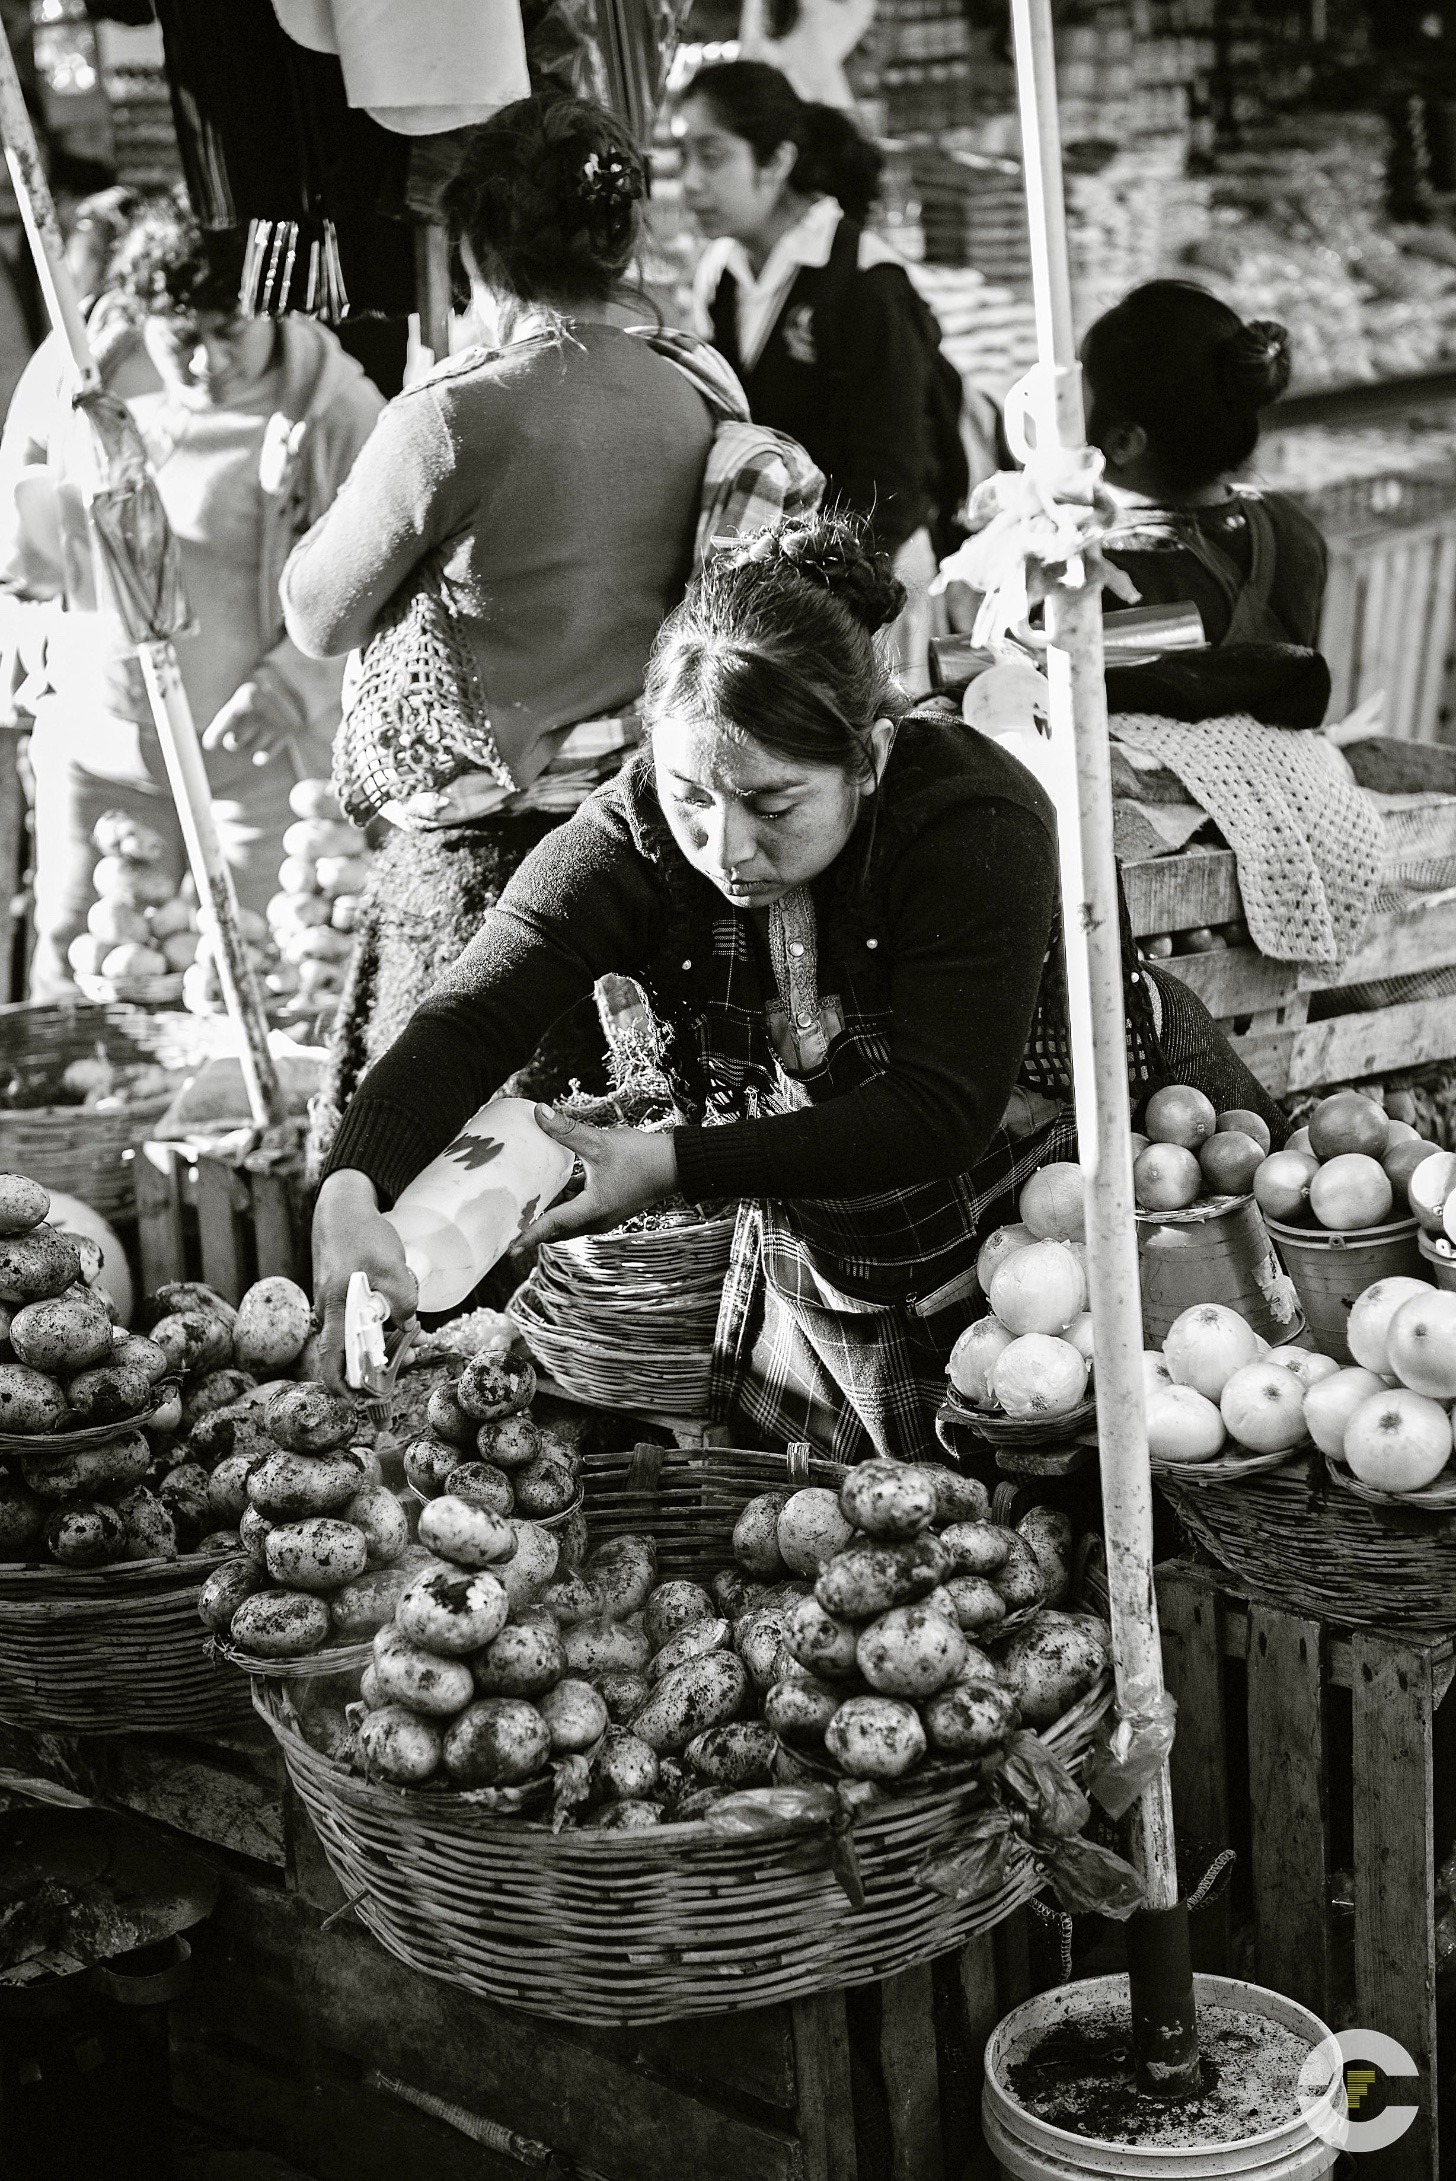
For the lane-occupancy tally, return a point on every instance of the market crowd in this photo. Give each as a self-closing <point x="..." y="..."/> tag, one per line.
<point x="661" y="599"/>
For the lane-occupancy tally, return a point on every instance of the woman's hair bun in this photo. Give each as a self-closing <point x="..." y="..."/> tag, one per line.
<point x="1253" y="364"/>
<point x="832" y="550"/>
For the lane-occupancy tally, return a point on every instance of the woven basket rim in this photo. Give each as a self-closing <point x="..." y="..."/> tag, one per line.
<point x="1000" y="1430"/>
<point x="120" y="1577"/>
<point x="1345" y="1480"/>
<point x="1229" y="1468"/>
<point x="67" y="1442"/>
<point x="303" y="1666"/>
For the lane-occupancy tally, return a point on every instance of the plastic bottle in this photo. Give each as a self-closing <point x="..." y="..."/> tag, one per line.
<point x="467" y="1207"/>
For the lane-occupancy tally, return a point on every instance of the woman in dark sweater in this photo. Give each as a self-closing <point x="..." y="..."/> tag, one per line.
<point x="841" y="917"/>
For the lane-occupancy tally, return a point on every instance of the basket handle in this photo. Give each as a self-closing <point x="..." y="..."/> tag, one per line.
<point x="644" y="1471"/>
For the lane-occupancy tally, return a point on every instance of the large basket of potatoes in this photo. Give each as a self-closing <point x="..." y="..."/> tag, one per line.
<point x="710" y="1755"/>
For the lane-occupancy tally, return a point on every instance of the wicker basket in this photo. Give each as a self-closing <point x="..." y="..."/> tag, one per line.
<point x="163" y="991"/>
<point x="641" y="1927"/>
<point x="1296" y="1538"/>
<point x="116" y="1650"/>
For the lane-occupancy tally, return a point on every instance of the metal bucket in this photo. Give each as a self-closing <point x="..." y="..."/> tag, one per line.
<point x="1215" y="1253"/>
<point x="1438" y="1260"/>
<point x="1332" y="1272"/>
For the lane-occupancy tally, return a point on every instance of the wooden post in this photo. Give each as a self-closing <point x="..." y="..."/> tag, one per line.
<point x="432" y="288"/>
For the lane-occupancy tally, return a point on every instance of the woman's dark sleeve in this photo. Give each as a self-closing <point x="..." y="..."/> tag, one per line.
<point x="582" y="903"/>
<point x="1302" y="564"/>
<point x="883" y="465"/>
<point x="969" y="928"/>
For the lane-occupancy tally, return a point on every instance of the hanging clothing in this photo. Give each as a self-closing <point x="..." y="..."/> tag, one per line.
<point x="812" y="53"/>
<point x="1253" y="564"/>
<point x="418" y="71"/>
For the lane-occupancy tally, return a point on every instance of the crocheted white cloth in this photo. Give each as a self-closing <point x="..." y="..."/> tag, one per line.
<point x="1307" y="840"/>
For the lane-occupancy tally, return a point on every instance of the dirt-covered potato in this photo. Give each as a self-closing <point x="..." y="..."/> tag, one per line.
<point x="86" y="1534"/>
<point x="227" y="1489"/>
<point x="800" y="1710"/>
<point x="447" y="1420"/>
<point x="253" y="1534"/>
<point x="888" y="1499"/>
<point x="756" y="1537"/>
<point x="320" y="1554"/>
<point x="194" y="1342"/>
<point x="531" y="1569"/>
<point x="569" y="1601"/>
<point x="572" y="1540"/>
<point x="217" y="1390"/>
<point x="220" y="1544"/>
<point x="975" y="1548"/>
<point x="34" y="1265"/>
<point x="695" y="1641"/>
<point x="1019" y="1579"/>
<point x="368" y="1603"/>
<point x="236" y="1430"/>
<point x="911" y="1651"/>
<point x="290" y="1487"/>
<point x="1049" y="1665"/>
<point x="875" y="1737"/>
<point x="521" y="1661"/>
<point x="758" y="1639"/>
<point x="576" y="1717"/>
<point x="88" y="1249"/>
<point x="109" y="1394"/>
<point x="176" y="1297"/>
<point x="597" y="1647"/>
<point x="623" y="1694"/>
<point x="280" y="1624"/>
<point x="464" y="1533"/>
<point x="135" y="1348"/>
<point x="740" y="1754"/>
<point x="84" y="1471"/>
<point x="487" y="1389"/>
<point x="66" y="1333"/>
<point x="151" y="1534"/>
<point x="224" y="1591"/>
<point x="183" y="1491"/>
<point x="1049" y="1534"/>
<point x="22" y="1516"/>
<point x="673" y="1606"/>
<point x="978" y="1608"/>
<point x="811" y="1530"/>
<point x="624" y="1817"/>
<point x="371" y="1696"/>
<point x="29" y="1401"/>
<point x="396" y="1746"/>
<point x="273" y="1322"/>
<point x="700" y="1695"/>
<point x="624" y="1768"/>
<point x="452" y="1610"/>
<point x="377" y="1514"/>
<point x="498" y="1742"/>
<point x="622" y="1572"/>
<point x="308" y="1419"/>
<point x="23" y="1204"/>
<point x="429" y="1463"/>
<point x="408" y="1674"/>
<point x="484" y="1486"/>
<point x="734" y="1593"/>
<point x="957" y="1498"/>
<point x="970" y="1719"/>
<point x="546" y="1486"/>
<point x="821" y="1641"/>
<point x="512" y="1443"/>
<point x="866" y="1580"/>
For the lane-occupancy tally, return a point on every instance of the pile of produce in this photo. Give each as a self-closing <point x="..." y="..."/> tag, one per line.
<point x="1217" y="1386"/>
<point x="202" y="992"/>
<point x="481" y="1444"/>
<point x="222" y="1354"/>
<point x="1032" y="1355"/>
<point x="320" y="880"/>
<point x="1186" y="1154"/>
<point x="1350" y="1167"/>
<point x="142" y="925"/>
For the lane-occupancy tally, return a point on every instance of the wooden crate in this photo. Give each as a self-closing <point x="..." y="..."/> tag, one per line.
<point x="200" y="1217"/>
<point x="1387" y="621"/>
<point x="1309" y="1786"/>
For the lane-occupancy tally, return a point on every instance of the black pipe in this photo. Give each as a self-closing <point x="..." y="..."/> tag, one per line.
<point x="1164" y="2020"/>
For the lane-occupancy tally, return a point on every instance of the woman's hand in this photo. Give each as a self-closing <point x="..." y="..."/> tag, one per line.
<point x="626" y="1170"/>
<point x="351" y="1234"/>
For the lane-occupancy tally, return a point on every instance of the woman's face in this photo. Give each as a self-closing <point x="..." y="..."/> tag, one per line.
<point x="754" y="823"/>
<point x="724" y="187"/>
<point x="211" y="356"/>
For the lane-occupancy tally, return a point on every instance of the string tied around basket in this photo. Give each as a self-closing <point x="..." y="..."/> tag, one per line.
<point x="759" y="1813"/>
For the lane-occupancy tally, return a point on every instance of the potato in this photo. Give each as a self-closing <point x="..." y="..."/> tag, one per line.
<point x="290" y="1487"/>
<point x="380" y="1520"/>
<point x="487" y="1389"/>
<point x="572" y="1540"/>
<point x="447" y="1420"/>
<point x="341" y="875"/>
<point x="165" y="1416"/>
<point x="151" y="1534"/>
<point x="624" y="1817"/>
<point x="756" y="1537"/>
<point x="22" y="1516"/>
<point x="320" y="1554"/>
<point x="623" y="1573"/>
<point x="1049" y="1534"/>
<point x="739" y="1754"/>
<point x="132" y="960"/>
<point x="1020" y="1580"/>
<point x="888" y="1499"/>
<point x="86" y="1534"/>
<point x="975" y="1548"/>
<point x="512" y="1443"/>
<point x="733" y="1593"/>
<point x="308" y="1419"/>
<point x="227" y="1489"/>
<point x="183" y="1491"/>
<point x="366" y="1459"/>
<point x="38" y="1264"/>
<point x="136" y="1349"/>
<point x="672" y="1607"/>
<point x="23" y="1204"/>
<point x="109" y="1394"/>
<point x="398" y="1747"/>
<point x="86" y="1470"/>
<point x="317" y="836"/>
<point x="520" y="1661"/>
<point x="979" y="1609"/>
<point x="811" y="1529"/>
<point x="875" y="1737"/>
<point x="757" y="1640"/>
<point x="218" y="1390"/>
<point x="606" y="1647"/>
<point x="799" y="1711"/>
<point x="29" y="1401"/>
<point x="531" y="1569"/>
<point x="236" y="1430"/>
<point x="408" y="1674"/>
<point x="253" y="1532"/>
<point x="220" y="1544"/>
<point x="866" y="1580"/>
<point x="569" y="1601"/>
<point x="484" y="1486"/>
<point x="66" y="1333"/>
<point x="178" y="1297"/>
<point x="313" y="799"/>
<point x="194" y="1342"/>
<point x="224" y="1591"/>
<point x="324" y="1725"/>
<point x="702" y="1694"/>
<point x="452" y="1610"/>
<point x="274" y="1320"/>
<point x="1049" y="1665"/>
<point x="370" y="1693"/>
<point x="958" y="1498"/>
<point x="88" y="1249"/>
<point x="467" y="1535"/>
<point x="368" y="1603"/>
<point x="970" y="1719"/>
<point x="623" y="1694"/>
<point x="694" y="1641"/>
<point x="546" y="1486"/>
<point x="576" y="1717"/>
<point x="429" y="1463"/>
<point x="624" y="1768"/>
<point x="821" y="1641"/>
<point x="497" y="1742"/>
<point x="116" y="924"/>
<point x="910" y="1651"/>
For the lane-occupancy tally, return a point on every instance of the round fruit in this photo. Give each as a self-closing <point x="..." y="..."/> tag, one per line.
<point x="1329" y="1406"/>
<point x="1263" y="1407"/>
<point x="1307" y="1367"/>
<point x="1138" y="1143"/>
<point x="1079" y="1333"/>
<point x="1400" y="1162"/>
<point x="1421" y="1345"/>
<point x="1370" y="1316"/>
<point x="1347" y="1122"/>
<point x="1229" y="1161"/>
<point x="1429" y="1186"/>
<point x="1206" y="1345"/>
<point x="1400" y="1132"/>
<point x="1398" y="1441"/>
<point x="1039" y="1375"/>
<point x="1053" y="1203"/>
<point x="1351" y="1191"/>
<point x="972" y="1359"/>
<point x="1281" y="1185"/>
<point x="996" y="1248"/>
<point x="1298" y="1140"/>
<point x="1166" y="1178"/>
<point x="1155" y="1371"/>
<point x="1039" y="1290"/>
<point x="1241" y="1121"/>
<point x="1179" y="1115"/>
<point x="1183" y="1426"/>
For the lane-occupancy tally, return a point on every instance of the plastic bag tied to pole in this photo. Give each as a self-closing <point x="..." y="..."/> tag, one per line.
<point x="1034" y="530"/>
<point x="1039" y="1811"/>
<point x="1134" y="1748"/>
<point x="135" y="548"/>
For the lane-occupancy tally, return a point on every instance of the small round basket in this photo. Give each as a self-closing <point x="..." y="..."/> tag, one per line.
<point x="13" y="1443"/>
<point x="116" y="1650"/>
<point x="321" y="1665"/>
<point x="993" y="1428"/>
<point x="164" y="991"/>
<point x="608" y="1928"/>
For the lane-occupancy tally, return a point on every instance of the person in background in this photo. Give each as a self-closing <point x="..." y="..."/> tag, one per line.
<point x="251" y="426"/>
<point x="1175" y="383"/>
<point x="815" y="313"/>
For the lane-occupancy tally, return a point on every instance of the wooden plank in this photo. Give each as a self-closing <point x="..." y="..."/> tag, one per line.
<point x="1013" y="1959"/>
<point x="206" y="1800"/>
<point x="160" y="1242"/>
<point x="1350" y="1047"/>
<point x="911" y="2076"/>
<point x="222" y="1197"/>
<point x="1369" y="656"/>
<point x="1175" y="893"/>
<point x="1235" y="980"/>
<point x="1233" y="1629"/>
<point x="826" y="2107"/>
<point x="1189" y="1611"/>
<point x="276" y="1225"/>
<point x="1395" y="1880"/>
<point x="1400" y="558"/>
<point x="1426" y="724"/>
<point x="984" y="2009"/>
<point x="1337" y="627"/>
<point x="1288" y="1792"/>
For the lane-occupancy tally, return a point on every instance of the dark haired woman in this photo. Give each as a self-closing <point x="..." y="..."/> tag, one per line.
<point x="840" y="915"/>
<point x="1175" y="384"/>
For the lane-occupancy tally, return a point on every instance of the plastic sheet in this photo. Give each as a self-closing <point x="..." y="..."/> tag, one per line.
<point x="1134" y="1749"/>
<point x="1040" y="1810"/>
